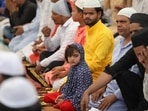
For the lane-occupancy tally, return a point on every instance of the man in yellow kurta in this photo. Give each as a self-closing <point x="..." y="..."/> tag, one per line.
<point x="99" y="39"/>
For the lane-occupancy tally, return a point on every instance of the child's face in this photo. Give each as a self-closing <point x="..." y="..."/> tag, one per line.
<point x="74" y="59"/>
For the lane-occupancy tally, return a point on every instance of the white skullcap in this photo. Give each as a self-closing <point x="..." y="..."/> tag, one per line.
<point x="61" y="8"/>
<point x="79" y="4"/>
<point x="17" y="92"/>
<point x="128" y="12"/>
<point x="10" y="64"/>
<point x="92" y="4"/>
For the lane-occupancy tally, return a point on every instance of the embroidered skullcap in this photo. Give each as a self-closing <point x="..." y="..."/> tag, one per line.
<point x="92" y="4"/>
<point x="61" y="8"/>
<point x="140" y="38"/>
<point x="79" y="4"/>
<point x="17" y="92"/>
<point x="128" y="11"/>
<point x="10" y="64"/>
<point x="140" y="18"/>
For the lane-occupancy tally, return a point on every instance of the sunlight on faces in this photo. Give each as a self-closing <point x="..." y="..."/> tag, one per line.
<point x="123" y="25"/>
<point x="74" y="59"/>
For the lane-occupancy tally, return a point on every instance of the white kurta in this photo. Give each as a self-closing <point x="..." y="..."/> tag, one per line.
<point x="63" y="37"/>
<point x="29" y="35"/>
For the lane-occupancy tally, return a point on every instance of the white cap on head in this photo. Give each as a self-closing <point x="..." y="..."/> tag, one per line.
<point x="79" y="4"/>
<point x="10" y="64"/>
<point x="17" y="92"/>
<point x="128" y="12"/>
<point x="92" y="4"/>
<point x="61" y="8"/>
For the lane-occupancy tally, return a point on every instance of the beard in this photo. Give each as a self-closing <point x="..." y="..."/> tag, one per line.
<point x="90" y="22"/>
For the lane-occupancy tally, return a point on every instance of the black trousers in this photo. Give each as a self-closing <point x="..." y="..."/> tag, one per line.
<point x="53" y="64"/>
<point x="131" y="86"/>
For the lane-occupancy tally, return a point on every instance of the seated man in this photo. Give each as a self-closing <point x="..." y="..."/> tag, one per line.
<point x="19" y="12"/>
<point x="112" y="98"/>
<point x="61" y="14"/>
<point x="26" y="33"/>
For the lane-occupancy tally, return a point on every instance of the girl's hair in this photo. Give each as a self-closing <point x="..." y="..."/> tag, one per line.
<point x="69" y="51"/>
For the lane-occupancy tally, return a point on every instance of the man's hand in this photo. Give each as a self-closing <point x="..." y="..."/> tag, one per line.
<point x="144" y="58"/>
<point x="38" y="41"/>
<point x="46" y="31"/>
<point x="38" y="49"/>
<point x="18" y="30"/>
<point x="57" y="70"/>
<point x="84" y="102"/>
<point x="107" y="102"/>
<point x="35" y="50"/>
<point x="38" y="69"/>
<point x="98" y="94"/>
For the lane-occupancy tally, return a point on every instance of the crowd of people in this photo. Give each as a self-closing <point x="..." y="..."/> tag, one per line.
<point x="92" y="53"/>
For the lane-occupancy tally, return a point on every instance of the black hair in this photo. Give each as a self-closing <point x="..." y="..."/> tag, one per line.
<point x="99" y="9"/>
<point x="140" y="18"/>
<point x="35" y="107"/>
<point x="69" y="51"/>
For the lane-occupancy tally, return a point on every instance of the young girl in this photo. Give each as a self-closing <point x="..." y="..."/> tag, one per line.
<point x="56" y="77"/>
<point x="79" y="79"/>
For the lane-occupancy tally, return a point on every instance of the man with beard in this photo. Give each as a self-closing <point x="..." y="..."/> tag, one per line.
<point x="99" y="39"/>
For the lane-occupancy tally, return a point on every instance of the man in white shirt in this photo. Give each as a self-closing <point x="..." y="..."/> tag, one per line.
<point x="61" y="14"/>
